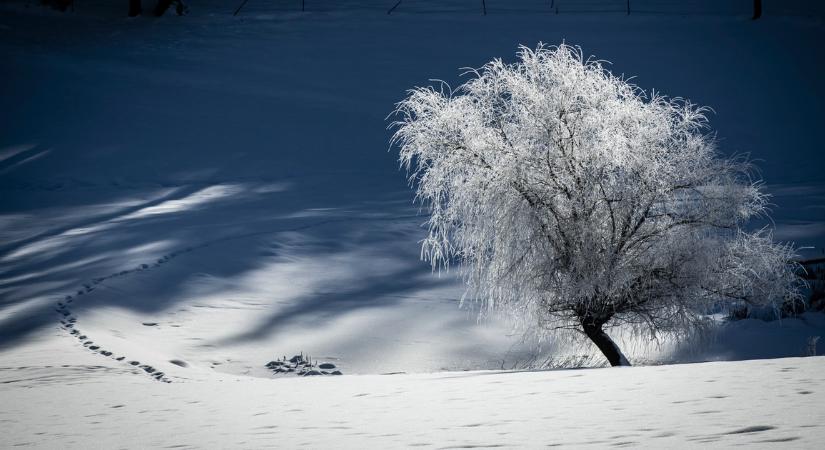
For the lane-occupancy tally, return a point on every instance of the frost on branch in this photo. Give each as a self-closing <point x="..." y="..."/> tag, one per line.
<point x="573" y="199"/>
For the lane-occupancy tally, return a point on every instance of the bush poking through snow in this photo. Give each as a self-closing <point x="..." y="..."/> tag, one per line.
<point x="573" y="200"/>
<point x="301" y="365"/>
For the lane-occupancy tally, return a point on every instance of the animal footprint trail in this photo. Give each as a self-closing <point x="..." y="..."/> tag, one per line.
<point x="69" y="322"/>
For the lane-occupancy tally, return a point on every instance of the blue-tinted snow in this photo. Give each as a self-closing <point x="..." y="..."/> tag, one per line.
<point x="248" y="155"/>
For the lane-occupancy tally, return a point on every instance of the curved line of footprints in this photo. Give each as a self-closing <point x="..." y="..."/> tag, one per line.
<point x="68" y="320"/>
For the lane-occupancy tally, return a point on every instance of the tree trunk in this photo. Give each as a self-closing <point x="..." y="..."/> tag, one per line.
<point x="593" y="330"/>
<point x="134" y="8"/>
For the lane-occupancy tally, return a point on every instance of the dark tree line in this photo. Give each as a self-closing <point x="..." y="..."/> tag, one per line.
<point x="135" y="7"/>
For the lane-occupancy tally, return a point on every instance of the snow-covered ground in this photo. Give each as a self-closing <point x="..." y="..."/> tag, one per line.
<point x="217" y="192"/>
<point x="760" y="404"/>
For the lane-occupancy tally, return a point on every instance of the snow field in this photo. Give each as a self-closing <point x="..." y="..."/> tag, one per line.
<point x="760" y="403"/>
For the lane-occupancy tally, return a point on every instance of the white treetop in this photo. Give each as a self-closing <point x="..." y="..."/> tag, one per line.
<point x="566" y="194"/>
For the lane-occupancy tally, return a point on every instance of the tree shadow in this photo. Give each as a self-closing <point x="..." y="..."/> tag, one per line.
<point x="228" y="232"/>
<point x="371" y="291"/>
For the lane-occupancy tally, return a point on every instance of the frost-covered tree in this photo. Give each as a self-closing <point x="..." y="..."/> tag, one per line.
<point x="576" y="201"/>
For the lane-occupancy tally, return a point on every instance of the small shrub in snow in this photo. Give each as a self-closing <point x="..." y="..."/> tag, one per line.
<point x="573" y="200"/>
<point x="300" y="365"/>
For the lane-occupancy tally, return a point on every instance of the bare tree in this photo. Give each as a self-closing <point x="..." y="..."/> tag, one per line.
<point x="135" y="8"/>
<point x="573" y="200"/>
<point x="162" y="5"/>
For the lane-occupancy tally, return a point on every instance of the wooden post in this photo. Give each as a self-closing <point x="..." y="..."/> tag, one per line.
<point x="757" y="9"/>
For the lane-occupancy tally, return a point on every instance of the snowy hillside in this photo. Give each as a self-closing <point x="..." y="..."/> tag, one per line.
<point x="203" y="194"/>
